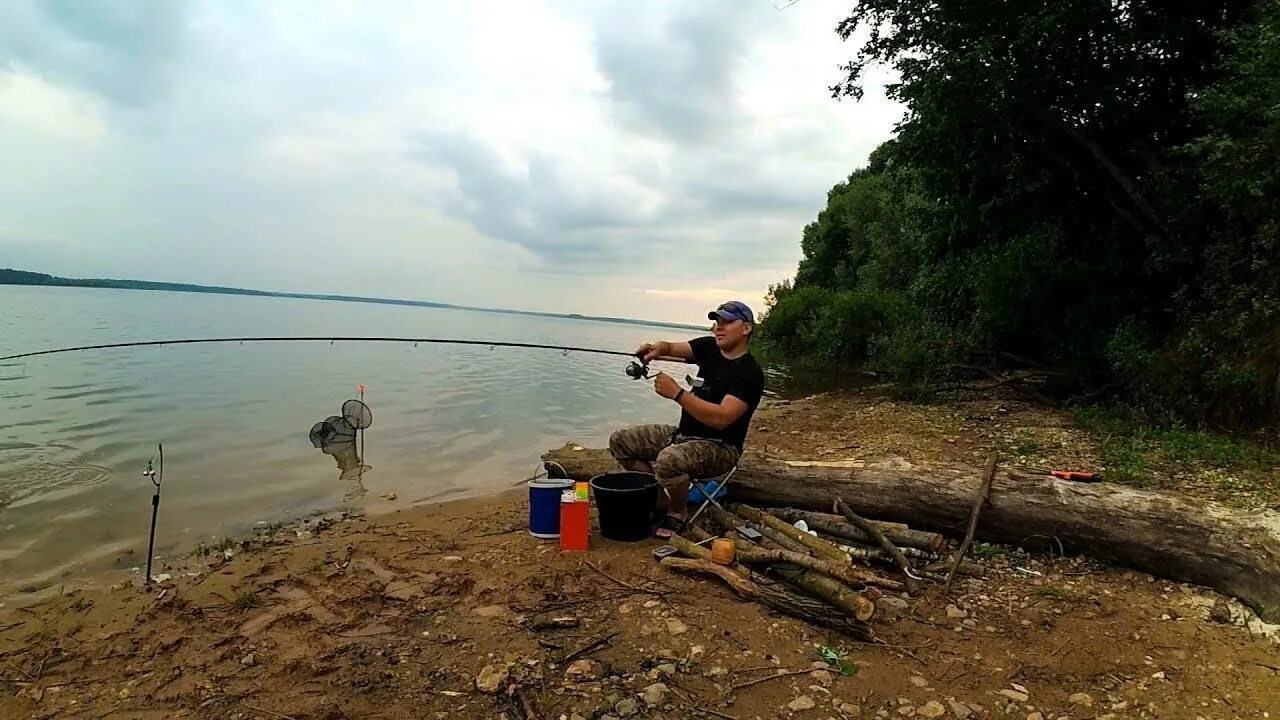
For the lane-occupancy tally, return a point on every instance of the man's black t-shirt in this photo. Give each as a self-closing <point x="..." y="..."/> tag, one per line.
<point x="740" y="377"/>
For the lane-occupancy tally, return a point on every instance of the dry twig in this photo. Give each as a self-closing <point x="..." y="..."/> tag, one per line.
<point x="268" y="712"/>
<point x="767" y="678"/>
<point x="598" y="642"/>
<point x="624" y="584"/>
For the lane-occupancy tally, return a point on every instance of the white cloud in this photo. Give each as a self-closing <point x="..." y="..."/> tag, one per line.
<point x="653" y="156"/>
<point x="38" y="110"/>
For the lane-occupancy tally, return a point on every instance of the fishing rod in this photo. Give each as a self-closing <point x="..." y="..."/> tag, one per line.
<point x="156" y="476"/>
<point x="634" y="370"/>
<point x="316" y="338"/>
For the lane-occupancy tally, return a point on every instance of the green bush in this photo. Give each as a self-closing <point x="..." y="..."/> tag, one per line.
<point x="820" y="326"/>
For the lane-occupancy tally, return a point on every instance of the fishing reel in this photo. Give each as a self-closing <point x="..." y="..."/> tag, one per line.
<point x="640" y="371"/>
<point x="637" y="370"/>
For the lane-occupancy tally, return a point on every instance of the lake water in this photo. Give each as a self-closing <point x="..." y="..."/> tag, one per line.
<point x="77" y="430"/>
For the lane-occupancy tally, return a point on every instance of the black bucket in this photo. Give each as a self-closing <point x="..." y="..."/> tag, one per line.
<point x="625" y="502"/>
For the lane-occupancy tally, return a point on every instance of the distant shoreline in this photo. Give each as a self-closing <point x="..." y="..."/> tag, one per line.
<point x="23" y="277"/>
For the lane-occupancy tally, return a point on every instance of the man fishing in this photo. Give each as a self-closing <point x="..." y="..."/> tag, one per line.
<point x="714" y="413"/>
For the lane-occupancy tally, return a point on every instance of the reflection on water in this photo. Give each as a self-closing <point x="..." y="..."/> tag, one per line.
<point x="350" y="469"/>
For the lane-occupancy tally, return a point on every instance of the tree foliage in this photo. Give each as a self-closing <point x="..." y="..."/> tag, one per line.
<point x="1090" y="184"/>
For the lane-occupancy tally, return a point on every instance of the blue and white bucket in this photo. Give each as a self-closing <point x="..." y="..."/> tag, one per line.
<point x="544" y="506"/>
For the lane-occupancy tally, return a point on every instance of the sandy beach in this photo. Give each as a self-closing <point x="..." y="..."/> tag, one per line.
<point x="422" y="611"/>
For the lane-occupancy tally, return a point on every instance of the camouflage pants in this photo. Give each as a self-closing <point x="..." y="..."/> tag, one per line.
<point x="675" y="461"/>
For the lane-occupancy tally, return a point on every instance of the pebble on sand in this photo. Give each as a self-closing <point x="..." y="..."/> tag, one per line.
<point x="804" y="702"/>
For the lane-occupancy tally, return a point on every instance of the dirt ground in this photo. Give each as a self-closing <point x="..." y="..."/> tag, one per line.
<point x="403" y="615"/>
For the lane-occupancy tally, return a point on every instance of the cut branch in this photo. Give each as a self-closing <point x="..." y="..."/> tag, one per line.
<point x="778" y="597"/>
<point x="818" y="546"/>
<point x="846" y="574"/>
<point x="889" y="547"/>
<point x="899" y="534"/>
<point x="978" y="501"/>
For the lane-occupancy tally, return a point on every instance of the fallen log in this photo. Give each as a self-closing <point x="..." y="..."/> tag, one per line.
<point x="1160" y="532"/>
<point x="835" y="525"/>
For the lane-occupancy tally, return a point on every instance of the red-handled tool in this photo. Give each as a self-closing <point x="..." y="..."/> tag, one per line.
<point x="1076" y="475"/>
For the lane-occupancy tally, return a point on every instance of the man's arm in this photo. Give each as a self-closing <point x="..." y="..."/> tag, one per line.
<point x="710" y="414"/>
<point x="718" y="416"/>
<point x="663" y="349"/>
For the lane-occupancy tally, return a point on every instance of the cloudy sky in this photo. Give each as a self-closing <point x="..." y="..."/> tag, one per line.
<point x="633" y="158"/>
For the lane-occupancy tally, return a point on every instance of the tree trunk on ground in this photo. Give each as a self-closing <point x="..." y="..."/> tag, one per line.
<point x="1163" y="533"/>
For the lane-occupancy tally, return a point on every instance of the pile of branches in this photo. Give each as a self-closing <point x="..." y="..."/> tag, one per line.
<point x="830" y="574"/>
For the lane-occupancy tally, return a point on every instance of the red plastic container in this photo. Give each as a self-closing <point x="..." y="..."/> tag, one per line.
<point x="575" y="522"/>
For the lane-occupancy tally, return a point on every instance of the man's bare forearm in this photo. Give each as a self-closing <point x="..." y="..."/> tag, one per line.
<point x="707" y="413"/>
<point x="667" y="350"/>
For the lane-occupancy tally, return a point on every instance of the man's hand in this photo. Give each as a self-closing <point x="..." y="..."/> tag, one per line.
<point x="666" y="386"/>
<point x="648" y="352"/>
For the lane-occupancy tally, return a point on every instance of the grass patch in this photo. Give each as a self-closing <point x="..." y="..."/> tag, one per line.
<point x="1123" y="461"/>
<point x="1022" y="444"/>
<point x="246" y="600"/>
<point x="985" y="551"/>
<point x="203" y="551"/>
<point x="1133" y="448"/>
<point x="1049" y="592"/>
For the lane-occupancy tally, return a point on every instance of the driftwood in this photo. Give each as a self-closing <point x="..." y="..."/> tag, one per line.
<point x="979" y="500"/>
<point x="1164" y="533"/>
<point x="840" y="611"/>
<point x="897" y="533"/>
<point x="907" y="578"/>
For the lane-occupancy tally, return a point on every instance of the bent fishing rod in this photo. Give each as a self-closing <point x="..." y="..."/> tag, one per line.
<point x="634" y="370"/>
